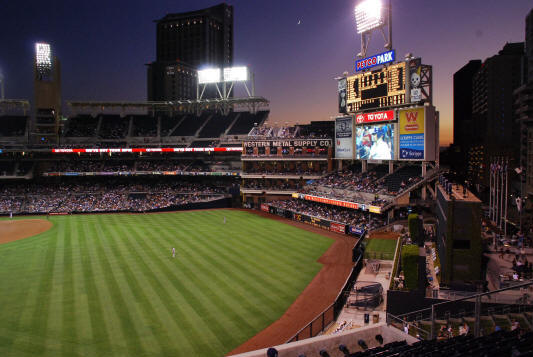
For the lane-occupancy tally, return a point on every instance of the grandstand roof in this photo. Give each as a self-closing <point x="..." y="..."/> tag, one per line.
<point x="178" y="105"/>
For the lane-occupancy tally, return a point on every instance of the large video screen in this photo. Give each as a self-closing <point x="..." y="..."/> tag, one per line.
<point x="375" y="142"/>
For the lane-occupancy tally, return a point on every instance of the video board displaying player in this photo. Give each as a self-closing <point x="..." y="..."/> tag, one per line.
<point x="375" y="142"/>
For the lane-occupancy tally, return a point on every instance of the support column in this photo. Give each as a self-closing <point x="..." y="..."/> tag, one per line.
<point x="391" y="167"/>
<point x="364" y="166"/>
<point x="477" y="317"/>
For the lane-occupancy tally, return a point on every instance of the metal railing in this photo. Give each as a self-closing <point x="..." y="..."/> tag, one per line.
<point x="330" y="314"/>
<point x="503" y="300"/>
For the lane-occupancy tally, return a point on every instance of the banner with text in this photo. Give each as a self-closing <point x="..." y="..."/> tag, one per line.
<point x="412" y="134"/>
<point x="344" y="148"/>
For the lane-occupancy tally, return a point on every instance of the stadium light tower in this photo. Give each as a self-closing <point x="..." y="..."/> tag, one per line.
<point x="373" y="15"/>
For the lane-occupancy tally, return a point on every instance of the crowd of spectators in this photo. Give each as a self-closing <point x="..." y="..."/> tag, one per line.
<point x="352" y="184"/>
<point x="353" y="179"/>
<point x="162" y="165"/>
<point x="115" y="165"/>
<point x="286" y="168"/>
<point x="271" y="184"/>
<point x="102" y="196"/>
<point x="358" y="218"/>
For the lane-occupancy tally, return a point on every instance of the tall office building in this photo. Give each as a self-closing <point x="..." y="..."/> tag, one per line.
<point x="529" y="45"/>
<point x="186" y="42"/>
<point x="493" y="124"/>
<point x="462" y="111"/>
<point x="524" y="113"/>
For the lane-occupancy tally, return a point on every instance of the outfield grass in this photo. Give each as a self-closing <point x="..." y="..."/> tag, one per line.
<point x="380" y="248"/>
<point x="106" y="285"/>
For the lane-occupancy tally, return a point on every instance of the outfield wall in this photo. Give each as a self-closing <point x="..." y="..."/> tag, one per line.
<point x="326" y="224"/>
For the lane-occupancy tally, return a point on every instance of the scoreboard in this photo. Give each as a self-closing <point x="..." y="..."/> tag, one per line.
<point x="376" y="89"/>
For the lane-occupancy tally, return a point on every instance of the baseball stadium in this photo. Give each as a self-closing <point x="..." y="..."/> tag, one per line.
<point x="198" y="227"/>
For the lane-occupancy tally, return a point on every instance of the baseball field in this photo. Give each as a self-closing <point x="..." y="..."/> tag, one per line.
<point x="107" y="285"/>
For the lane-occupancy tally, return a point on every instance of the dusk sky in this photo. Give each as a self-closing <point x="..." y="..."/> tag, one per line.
<point x="103" y="46"/>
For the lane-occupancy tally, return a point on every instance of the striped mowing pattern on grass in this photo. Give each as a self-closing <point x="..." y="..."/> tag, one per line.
<point x="107" y="285"/>
<point x="380" y="249"/>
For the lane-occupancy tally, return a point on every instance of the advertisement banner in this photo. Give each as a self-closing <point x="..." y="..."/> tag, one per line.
<point x="320" y="143"/>
<point x="264" y="207"/>
<point x="343" y="138"/>
<point x="330" y="201"/>
<point x="342" y="95"/>
<point x="375" y="142"/>
<point x="375" y="117"/>
<point x="337" y="227"/>
<point x="356" y="230"/>
<point x="374" y="209"/>
<point x="412" y="134"/>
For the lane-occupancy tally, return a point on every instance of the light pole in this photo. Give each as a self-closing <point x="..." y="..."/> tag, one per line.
<point x="520" y="200"/>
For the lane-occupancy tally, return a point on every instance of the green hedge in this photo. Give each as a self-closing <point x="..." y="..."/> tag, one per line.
<point x="410" y="265"/>
<point x="414" y="227"/>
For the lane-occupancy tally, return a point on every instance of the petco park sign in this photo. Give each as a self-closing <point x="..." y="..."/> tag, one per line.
<point x="387" y="115"/>
<point x="375" y="60"/>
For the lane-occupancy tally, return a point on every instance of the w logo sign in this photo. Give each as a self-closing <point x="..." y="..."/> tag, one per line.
<point x="411" y="116"/>
<point x="411" y="121"/>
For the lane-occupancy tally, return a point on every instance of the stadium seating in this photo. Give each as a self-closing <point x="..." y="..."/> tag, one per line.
<point x="217" y="125"/>
<point x="7" y="168"/>
<point x="113" y="127"/>
<point x="333" y="213"/>
<point x="93" y="195"/>
<point x="402" y="178"/>
<point x="501" y="343"/>
<point x="81" y="126"/>
<point x="13" y="125"/>
<point x="246" y="121"/>
<point x="169" y="124"/>
<point x="143" y="125"/>
<point x="190" y="125"/>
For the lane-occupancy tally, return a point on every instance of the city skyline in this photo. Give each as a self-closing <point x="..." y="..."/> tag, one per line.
<point x="294" y="50"/>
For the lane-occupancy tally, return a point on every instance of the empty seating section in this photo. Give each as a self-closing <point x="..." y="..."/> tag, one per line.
<point x="402" y="179"/>
<point x="169" y="123"/>
<point x="7" y="168"/>
<point x="144" y="125"/>
<point x="81" y="126"/>
<point x="13" y="125"/>
<point x="113" y="127"/>
<point x="203" y="144"/>
<point x="216" y="126"/>
<point x="190" y="125"/>
<point x="24" y="168"/>
<point x="246" y="121"/>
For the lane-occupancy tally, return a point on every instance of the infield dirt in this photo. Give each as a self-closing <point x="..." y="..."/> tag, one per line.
<point x="13" y="230"/>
